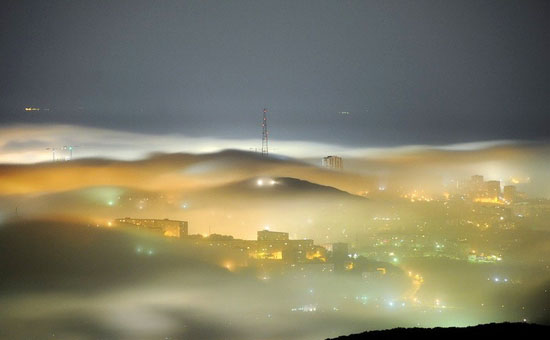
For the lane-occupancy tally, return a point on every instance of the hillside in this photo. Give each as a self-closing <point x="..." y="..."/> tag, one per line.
<point x="273" y="187"/>
<point x="488" y="331"/>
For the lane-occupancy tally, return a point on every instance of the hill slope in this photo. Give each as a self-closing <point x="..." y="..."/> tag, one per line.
<point x="488" y="331"/>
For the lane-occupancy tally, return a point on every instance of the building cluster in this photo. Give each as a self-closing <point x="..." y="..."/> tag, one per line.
<point x="166" y="227"/>
<point x="333" y="163"/>
<point x="491" y="191"/>
<point x="272" y="246"/>
<point x="271" y="251"/>
<point x="269" y="246"/>
<point x="535" y="211"/>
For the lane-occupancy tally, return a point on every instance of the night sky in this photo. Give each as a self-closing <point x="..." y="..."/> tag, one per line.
<point x="408" y="72"/>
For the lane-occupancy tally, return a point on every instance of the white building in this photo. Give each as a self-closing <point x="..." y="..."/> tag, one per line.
<point x="333" y="162"/>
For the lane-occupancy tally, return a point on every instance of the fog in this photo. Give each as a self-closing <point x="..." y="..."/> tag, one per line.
<point x="272" y="170"/>
<point x="79" y="282"/>
<point x="84" y="282"/>
<point x="69" y="271"/>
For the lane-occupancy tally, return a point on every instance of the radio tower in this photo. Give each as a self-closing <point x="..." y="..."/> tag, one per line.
<point x="265" y="136"/>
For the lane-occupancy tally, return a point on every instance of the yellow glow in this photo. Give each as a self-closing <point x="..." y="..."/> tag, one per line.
<point x="493" y="200"/>
<point x="229" y="265"/>
<point x="171" y="233"/>
<point x="417" y="196"/>
<point x="316" y="255"/>
<point x="260" y="255"/>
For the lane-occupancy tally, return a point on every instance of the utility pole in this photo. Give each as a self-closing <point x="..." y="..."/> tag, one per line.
<point x="53" y="153"/>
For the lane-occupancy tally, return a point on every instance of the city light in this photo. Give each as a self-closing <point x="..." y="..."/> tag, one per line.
<point x="279" y="171"/>
<point x="269" y="182"/>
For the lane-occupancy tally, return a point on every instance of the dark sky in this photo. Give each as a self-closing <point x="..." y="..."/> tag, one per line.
<point x="407" y="71"/>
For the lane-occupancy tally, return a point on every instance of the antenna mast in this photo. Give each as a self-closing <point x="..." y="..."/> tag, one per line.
<point x="265" y="136"/>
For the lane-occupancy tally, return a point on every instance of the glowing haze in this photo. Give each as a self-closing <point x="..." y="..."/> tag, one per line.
<point x="414" y="165"/>
<point x="135" y="202"/>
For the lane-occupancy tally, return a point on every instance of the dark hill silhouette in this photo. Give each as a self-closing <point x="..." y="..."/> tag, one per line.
<point x="283" y="186"/>
<point x="42" y="255"/>
<point x="486" y="331"/>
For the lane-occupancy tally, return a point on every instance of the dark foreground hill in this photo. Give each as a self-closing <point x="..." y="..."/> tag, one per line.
<point x="488" y="331"/>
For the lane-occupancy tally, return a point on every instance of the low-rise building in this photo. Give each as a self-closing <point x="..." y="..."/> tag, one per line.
<point x="166" y="227"/>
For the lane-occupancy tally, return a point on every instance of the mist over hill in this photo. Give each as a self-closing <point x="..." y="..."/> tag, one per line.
<point x="218" y="191"/>
<point x="70" y="268"/>
<point x="167" y="172"/>
<point x="273" y="170"/>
